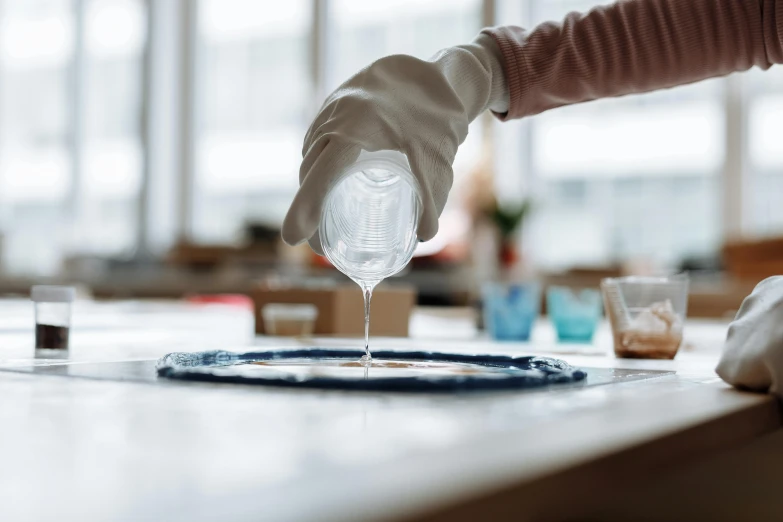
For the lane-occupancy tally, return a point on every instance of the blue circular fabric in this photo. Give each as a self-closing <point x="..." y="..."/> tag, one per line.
<point x="522" y="372"/>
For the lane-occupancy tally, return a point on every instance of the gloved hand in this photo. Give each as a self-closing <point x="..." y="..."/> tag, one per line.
<point x="753" y="355"/>
<point x="421" y="108"/>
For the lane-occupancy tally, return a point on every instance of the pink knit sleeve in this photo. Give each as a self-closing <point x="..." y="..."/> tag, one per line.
<point x="636" y="46"/>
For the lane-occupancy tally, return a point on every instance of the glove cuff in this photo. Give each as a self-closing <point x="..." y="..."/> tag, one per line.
<point x="475" y="72"/>
<point x="488" y="52"/>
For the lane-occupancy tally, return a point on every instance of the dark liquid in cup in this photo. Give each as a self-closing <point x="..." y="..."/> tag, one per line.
<point x="51" y="337"/>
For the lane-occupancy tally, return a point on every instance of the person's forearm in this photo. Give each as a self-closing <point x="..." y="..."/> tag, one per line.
<point x="636" y="46"/>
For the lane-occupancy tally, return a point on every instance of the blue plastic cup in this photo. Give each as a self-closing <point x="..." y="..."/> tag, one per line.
<point x="574" y="315"/>
<point x="511" y="310"/>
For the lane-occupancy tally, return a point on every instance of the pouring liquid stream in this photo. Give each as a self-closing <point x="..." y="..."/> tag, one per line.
<point x="367" y="288"/>
<point x="369" y="222"/>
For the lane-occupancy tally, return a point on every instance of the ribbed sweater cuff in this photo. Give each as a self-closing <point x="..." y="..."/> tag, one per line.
<point x="507" y="38"/>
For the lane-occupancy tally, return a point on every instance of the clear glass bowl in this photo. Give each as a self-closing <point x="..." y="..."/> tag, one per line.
<point x="296" y="320"/>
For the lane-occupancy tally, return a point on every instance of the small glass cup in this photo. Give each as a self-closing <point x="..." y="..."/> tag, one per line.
<point x="511" y="310"/>
<point x="574" y="315"/>
<point x="647" y="315"/>
<point x="370" y="218"/>
<point x="294" y="320"/>
<point x="52" y="316"/>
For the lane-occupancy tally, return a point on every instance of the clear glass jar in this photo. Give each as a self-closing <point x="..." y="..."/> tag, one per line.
<point x="647" y="314"/>
<point x="370" y="217"/>
<point x="52" y="316"/>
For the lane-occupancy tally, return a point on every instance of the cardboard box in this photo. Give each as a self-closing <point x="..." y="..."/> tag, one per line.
<point x="754" y="260"/>
<point x="341" y="307"/>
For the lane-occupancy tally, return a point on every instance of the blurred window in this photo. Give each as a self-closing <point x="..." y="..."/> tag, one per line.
<point x="365" y="31"/>
<point x="764" y="105"/>
<point x="39" y="88"/>
<point x="253" y="86"/>
<point x="636" y="176"/>
<point x="115" y="36"/>
<point x="629" y="177"/>
<point x="36" y="52"/>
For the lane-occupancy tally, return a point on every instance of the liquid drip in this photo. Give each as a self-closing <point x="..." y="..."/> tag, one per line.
<point x="367" y="293"/>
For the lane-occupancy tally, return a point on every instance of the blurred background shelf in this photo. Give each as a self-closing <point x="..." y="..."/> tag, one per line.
<point x="712" y="295"/>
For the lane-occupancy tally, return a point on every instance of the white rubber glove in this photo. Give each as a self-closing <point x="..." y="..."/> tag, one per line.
<point x="421" y="108"/>
<point x="753" y="355"/>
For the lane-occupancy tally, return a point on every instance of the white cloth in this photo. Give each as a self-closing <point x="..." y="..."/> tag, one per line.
<point x="753" y="355"/>
<point x="421" y="108"/>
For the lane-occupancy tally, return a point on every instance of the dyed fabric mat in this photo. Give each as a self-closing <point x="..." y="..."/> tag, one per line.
<point x="412" y="371"/>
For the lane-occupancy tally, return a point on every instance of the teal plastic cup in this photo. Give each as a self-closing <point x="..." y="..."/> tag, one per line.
<point x="574" y="314"/>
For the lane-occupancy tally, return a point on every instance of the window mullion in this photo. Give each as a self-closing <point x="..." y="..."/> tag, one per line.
<point x="188" y="116"/>
<point x="77" y="203"/>
<point x="734" y="171"/>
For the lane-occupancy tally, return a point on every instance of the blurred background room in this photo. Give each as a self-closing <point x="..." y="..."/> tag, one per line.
<point x="151" y="149"/>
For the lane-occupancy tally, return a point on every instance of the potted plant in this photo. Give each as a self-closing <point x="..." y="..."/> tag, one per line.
<point x="506" y="220"/>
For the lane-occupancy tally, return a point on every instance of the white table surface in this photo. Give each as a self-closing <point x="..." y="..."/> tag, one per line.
<point x="80" y="449"/>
